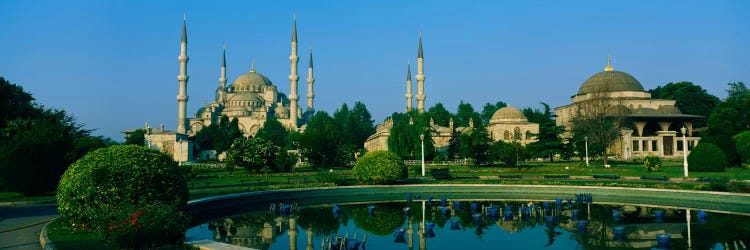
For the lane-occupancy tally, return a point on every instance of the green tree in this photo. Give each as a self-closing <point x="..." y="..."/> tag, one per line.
<point x="549" y="140"/>
<point x="439" y="114"/>
<point x="253" y="153"/>
<point x="14" y="102"/>
<point x="136" y="138"/>
<point x="508" y="152"/>
<point x="730" y="117"/>
<point x="465" y="114"/>
<point x="274" y="132"/>
<point x="475" y="144"/>
<point x="319" y="142"/>
<point x="690" y="99"/>
<point x="592" y="120"/>
<point x="363" y="125"/>
<point x="742" y="142"/>
<point x="405" y="138"/>
<point x="219" y="136"/>
<point x="489" y="110"/>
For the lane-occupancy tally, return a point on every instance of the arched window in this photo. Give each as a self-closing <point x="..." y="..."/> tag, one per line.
<point x="506" y="135"/>
<point x="529" y="135"/>
<point x="517" y="133"/>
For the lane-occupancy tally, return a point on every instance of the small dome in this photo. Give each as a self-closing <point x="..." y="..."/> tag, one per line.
<point x="610" y="81"/>
<point x="199" y="113"/>
<point x="250" y="81"/>
<point x="508" y="114"/>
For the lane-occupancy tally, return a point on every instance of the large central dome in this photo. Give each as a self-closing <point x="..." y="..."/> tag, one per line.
<point x="610" y="80"/>
<point x="251" y="81"/>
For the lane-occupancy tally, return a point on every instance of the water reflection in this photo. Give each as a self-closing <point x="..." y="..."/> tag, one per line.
<point x="560" y="224"/>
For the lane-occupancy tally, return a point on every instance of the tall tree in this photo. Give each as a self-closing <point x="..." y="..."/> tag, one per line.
<point x="730" y="117"/>
<point x="253" y="154"/>
<point x="219" y="136"/>
<point x="592" y="123"/>
<point x="439" y="114"/>
<point x="549" y="140"/>
<point x="465" y="114"/>
<point x="320" y="140"/>
<point x="405" y="138"/>
<point x="489" y="110"/>
<point x="363" y="124"/>
<point x="475" y="144"/>
<point x="274" y="132"/>
<point x="690" y="99"/>
<point x="137" y="137"/>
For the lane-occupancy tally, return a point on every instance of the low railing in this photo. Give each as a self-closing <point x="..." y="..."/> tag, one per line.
<point x="438" y="163"/>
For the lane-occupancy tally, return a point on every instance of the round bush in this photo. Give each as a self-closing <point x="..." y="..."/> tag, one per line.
<point x="379" y="167"/>
<point x="97" y="187"/>
<point x="707" y="157"/>
<point x="652" y="163"/>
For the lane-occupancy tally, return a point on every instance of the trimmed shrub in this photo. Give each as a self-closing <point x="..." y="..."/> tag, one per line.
<point x="97" y="188"/>
<point x="145" y="225"/>
<point x="328" y="177"/>
<point x="379" y="167"/>
<point x="652" y="163"/>
<point x="742" y="143"/>
<point x="707" y="157"/>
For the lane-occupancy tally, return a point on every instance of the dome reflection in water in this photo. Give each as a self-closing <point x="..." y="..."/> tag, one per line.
<point x="559" y="224"/>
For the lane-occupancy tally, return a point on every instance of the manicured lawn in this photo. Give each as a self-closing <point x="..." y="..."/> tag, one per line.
<point x="13" y="196"/>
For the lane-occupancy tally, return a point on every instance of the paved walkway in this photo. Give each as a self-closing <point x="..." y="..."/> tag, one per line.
<point x="20" y="225"/>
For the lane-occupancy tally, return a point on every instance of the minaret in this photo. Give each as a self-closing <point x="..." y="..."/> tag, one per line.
<point x="408" y="87"/>
<point x="182" y="97"/>
<point x="609" y="64"/>
<point x="293" y="77"/>
<point x="310" y="81"/>
<point x="223" y="79"/>
<point x="420" y="77"/>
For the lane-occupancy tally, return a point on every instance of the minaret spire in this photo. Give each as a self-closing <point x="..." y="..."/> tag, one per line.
<point x="609" y="64"/>
<point x="293" y="78"/>
<point x="310" y="81"/>
<point x="182" y="78"/>
<point x="223" y="78"/>
<point x="420" y="77"/>
<point x="408" y="86"/>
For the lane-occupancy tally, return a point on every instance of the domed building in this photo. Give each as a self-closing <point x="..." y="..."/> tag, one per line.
<point x="252" y="98"/>
<point x="649" y="126"/>
<point x="509" y="124"/>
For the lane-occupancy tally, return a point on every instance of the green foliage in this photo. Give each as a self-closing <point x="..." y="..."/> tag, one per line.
<point x="548" y="141"/>
<point x="137" y="137"/>
<point x="742" y="143"/>
<point x="354" y="125"/>
<point x="14" y="102"/>
<point x="379" y="167"/>
<point x="465" y="114"/>
<point x="509" y="153"/>
<point x="707" y="157"/>
<point x="145" y="225"/>
<point x="219" y="136"/>
<point x="96" y="188"/>
<point x="475" y="144"/>
<point x="328" y="176"/>
<point x="652" y="163"/>
<point x="738" y="186"/>
<point x="253" y="154"/>
<point x="690" y="99"/>
<point x="727" y="146"/>
<point x="405" y="138"/>
<point x="274" y="132"/>
<point x="387" y="218"/>
<point x="439" y="114"/>
<point x="719" y="184"/>
<point x="320" y="141"/>
<point x="730" y="117"/>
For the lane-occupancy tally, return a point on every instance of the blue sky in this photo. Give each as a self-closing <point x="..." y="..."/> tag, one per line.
<point x="113" y="64"/>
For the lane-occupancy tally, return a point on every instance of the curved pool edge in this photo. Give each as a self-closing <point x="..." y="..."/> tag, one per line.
<point x="208" y="208"/>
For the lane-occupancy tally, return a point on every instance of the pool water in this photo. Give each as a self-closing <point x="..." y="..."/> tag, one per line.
<point x="467" y="224"/>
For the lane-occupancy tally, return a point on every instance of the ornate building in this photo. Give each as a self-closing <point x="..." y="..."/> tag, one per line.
<point x="251" y="98"/>
<point x="509" y="124"/>
<point x="656" y="122"/>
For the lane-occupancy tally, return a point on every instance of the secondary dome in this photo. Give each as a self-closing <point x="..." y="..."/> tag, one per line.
<point x="508" y="114"/>
<point x="250" y="81"/>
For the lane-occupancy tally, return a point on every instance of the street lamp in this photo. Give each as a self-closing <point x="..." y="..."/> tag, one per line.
<point x="586" y="138"/>
<point x="684" y="151"/>
<point x="421" y="138"/>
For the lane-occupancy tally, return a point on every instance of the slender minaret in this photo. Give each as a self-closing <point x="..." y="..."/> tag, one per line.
<point x="408" y="87"/>
<point x="182" y="97"/>
<point x="310" y="81"/>
<point x="293" y="77"/>
<point x="420" y="77"/>
<point x="223" y="79"/>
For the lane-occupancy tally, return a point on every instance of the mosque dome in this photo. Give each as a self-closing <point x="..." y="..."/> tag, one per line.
<point x="610" y="80"/>
<point x="250" y="81"/>
<point x="508" y="114"/>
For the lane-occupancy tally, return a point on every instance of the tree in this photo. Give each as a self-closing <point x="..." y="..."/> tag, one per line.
<point x="730" y="117"/>
<point x="14" y="102"/>
<point x="274" y="132"/>
<point x="465" y="114"/>
<point x="136" y="138"/>
<point x="508" y="152"/>
<point x="253" y="153"/>
<point x="592" y="121"/>
<point x="439" y="114"/>
<point x="489" y="110"/>
<point x="363" y="125"/>
<point x="320" y="140"/>
<point x="219" y="136"/>
<point x="742" y="141"/>
<point x="475" y="144"/>
<point x="690" y="99"/>
<point x="405" y="136"/>
<point x="548" y="141"/>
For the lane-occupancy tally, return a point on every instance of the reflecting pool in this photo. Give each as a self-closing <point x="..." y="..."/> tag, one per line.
<point x="565" y="223"/>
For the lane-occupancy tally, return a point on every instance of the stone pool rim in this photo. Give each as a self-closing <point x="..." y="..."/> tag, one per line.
<point x="205" y="209"/>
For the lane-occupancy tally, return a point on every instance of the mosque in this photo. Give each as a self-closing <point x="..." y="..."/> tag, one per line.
<point x="251" y="98"/>
<point x="651" y="126"/>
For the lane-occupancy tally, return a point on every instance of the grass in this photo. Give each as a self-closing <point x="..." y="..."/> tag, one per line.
<point x="18" y="197"/>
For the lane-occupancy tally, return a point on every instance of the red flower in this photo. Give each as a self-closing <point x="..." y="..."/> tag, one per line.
<point x="110" y="228"/>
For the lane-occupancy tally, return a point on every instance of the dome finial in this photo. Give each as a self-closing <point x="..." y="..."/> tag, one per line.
<point x="252" y="67"/>
<point x="609" y="64"/>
